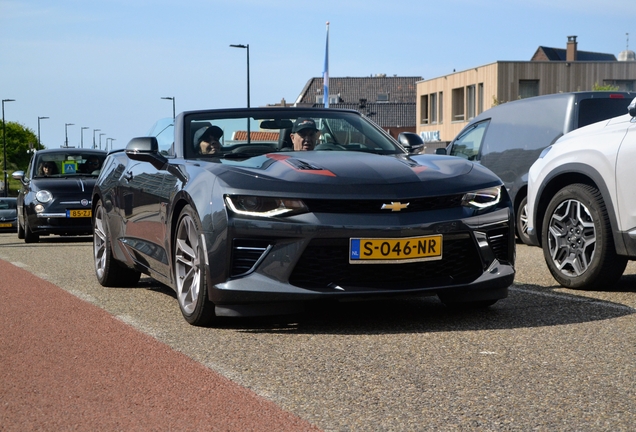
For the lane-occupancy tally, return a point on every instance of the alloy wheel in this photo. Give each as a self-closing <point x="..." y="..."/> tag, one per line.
<point x="571" y="237"/>
<point x="187" y="265"/>
<point x="99" y="242"/>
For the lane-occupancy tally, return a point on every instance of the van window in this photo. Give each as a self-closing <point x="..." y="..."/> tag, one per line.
<point x="596" y="110"/>
<point x="468" y="143"/>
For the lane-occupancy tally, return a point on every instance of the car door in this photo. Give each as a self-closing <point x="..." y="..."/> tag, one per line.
<point x="143" y="195"/>
<point x="626" y="180"/>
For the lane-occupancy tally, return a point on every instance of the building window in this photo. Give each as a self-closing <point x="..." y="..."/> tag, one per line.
<point x="441" y="107"/>
<point x="383" y="97"/>
<point x="433" y="98"/>
<point x="480" y="98"/>
<point x="528" y="88"/>
<point x="457" y="104"/>
<point x="470" y="101"/>
<point x="424" y="109"/>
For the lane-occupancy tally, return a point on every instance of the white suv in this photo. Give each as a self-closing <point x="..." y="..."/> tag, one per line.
<point x="582" y="203"/>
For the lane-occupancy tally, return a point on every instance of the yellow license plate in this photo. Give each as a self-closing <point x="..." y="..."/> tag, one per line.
<point x="392" y="250"/>
<point x="5" y="225"/>
<point x="79" y="213"/>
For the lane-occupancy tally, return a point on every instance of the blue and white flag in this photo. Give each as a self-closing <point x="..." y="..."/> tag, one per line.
<point x="325" y="73"/>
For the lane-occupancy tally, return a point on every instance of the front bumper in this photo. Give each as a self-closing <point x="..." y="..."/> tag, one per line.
<point x="304" y="262"/>
<point x="60" y="224"/>
<point x="8" y="225"/>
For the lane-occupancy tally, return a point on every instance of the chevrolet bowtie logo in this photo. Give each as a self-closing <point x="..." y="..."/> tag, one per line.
<point x="395" y="206"/>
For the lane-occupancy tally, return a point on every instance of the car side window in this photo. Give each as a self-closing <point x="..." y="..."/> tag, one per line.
<point x="468" y="143"/>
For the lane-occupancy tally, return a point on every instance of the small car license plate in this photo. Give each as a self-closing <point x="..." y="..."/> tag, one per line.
<point x="392" y="250"/>
<point x="5" y="225"/>
<point x="78" y="213"/>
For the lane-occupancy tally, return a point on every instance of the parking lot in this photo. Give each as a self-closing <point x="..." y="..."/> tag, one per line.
<point x="545" y="358"/>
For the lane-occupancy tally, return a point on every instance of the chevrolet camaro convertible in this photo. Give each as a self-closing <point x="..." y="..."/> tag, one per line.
<point x="220" y="207"/>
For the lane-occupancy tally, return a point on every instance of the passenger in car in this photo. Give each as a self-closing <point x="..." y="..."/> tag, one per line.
<point x="207" y="140"/>
<point x="47" y="168"/>
<point x="304" y="134"/>
<point x="91" y="166"/>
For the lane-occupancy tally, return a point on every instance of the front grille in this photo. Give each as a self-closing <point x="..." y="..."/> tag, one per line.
<point x="245" y="254"/>
<point x="325" y="263"/>
<point x="375" y="206"/>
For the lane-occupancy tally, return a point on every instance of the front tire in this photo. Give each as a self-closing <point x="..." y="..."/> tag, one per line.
<point x="109" y="272"/>
<point x="190" y="270"/>
<point x="20" y="230"/>
<point x="29" y="236"/>
<point x="578" y="246"/>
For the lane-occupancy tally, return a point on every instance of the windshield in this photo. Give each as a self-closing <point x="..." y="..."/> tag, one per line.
<point x="241" y="134"/>
<point x="64" y="164"/>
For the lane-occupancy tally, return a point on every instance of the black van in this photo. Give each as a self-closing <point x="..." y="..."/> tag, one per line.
<point x="508" y="138"/>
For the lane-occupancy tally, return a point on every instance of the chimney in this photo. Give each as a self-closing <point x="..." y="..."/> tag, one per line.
<point x="570" y="54"/>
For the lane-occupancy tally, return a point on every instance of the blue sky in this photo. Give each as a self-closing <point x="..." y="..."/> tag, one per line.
<point x="106" y="64"/>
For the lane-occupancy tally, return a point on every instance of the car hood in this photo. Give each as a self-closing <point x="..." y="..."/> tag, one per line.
<point x="337" y="171"/>
<point x="65" y="185"/>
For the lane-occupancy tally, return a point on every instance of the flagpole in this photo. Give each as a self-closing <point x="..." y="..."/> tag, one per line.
<point x="325" y="74"/>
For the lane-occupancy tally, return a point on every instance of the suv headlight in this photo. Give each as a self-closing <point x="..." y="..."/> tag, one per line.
<point x="44" y="196"/>
<point x="482" y="198"/>
<point x="264" y="206"/>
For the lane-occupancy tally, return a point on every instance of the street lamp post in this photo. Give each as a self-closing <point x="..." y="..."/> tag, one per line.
<point x="100" y="140"/>
<point x="82" y="142"/>
<point x="111" y="143"/>
<point x="40" y="118"/>
<point x="4" y="148"/>
<point x="66" y="125"/>
<point x="95" y="130"/>
<point x="173" y="107"/>
<point x="247" y="47"/>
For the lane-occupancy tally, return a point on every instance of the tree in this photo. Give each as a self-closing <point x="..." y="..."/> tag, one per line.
<point x="607" y="87"/>
<point x="21" y="142"/>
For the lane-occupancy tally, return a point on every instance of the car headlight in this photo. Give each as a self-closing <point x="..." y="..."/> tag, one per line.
<point x="482" y="198"/>
<point x="264" y="206"/>
<point x="43" y="196"/>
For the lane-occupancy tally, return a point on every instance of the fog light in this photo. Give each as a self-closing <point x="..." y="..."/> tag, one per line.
<point x="39" y="208"/>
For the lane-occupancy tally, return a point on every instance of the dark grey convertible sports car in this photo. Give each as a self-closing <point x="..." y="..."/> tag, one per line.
<point x="220" y="207"/>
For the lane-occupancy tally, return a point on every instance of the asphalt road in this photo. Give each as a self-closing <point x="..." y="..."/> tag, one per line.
<point x="545" y="359"/>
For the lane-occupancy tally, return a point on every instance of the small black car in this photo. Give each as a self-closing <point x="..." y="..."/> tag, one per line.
<point x="56" y="192"/>
<point x="7" y="214"/>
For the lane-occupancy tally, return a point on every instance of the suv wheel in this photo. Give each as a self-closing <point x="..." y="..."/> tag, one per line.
<point x="578" y="246"/>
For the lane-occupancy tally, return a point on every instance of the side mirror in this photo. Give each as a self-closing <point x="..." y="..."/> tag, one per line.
<point x="146" y="149"/>
<point x="631" y="109"/>
<point x="19" y="175"/>
<point x="440" y="151"/>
